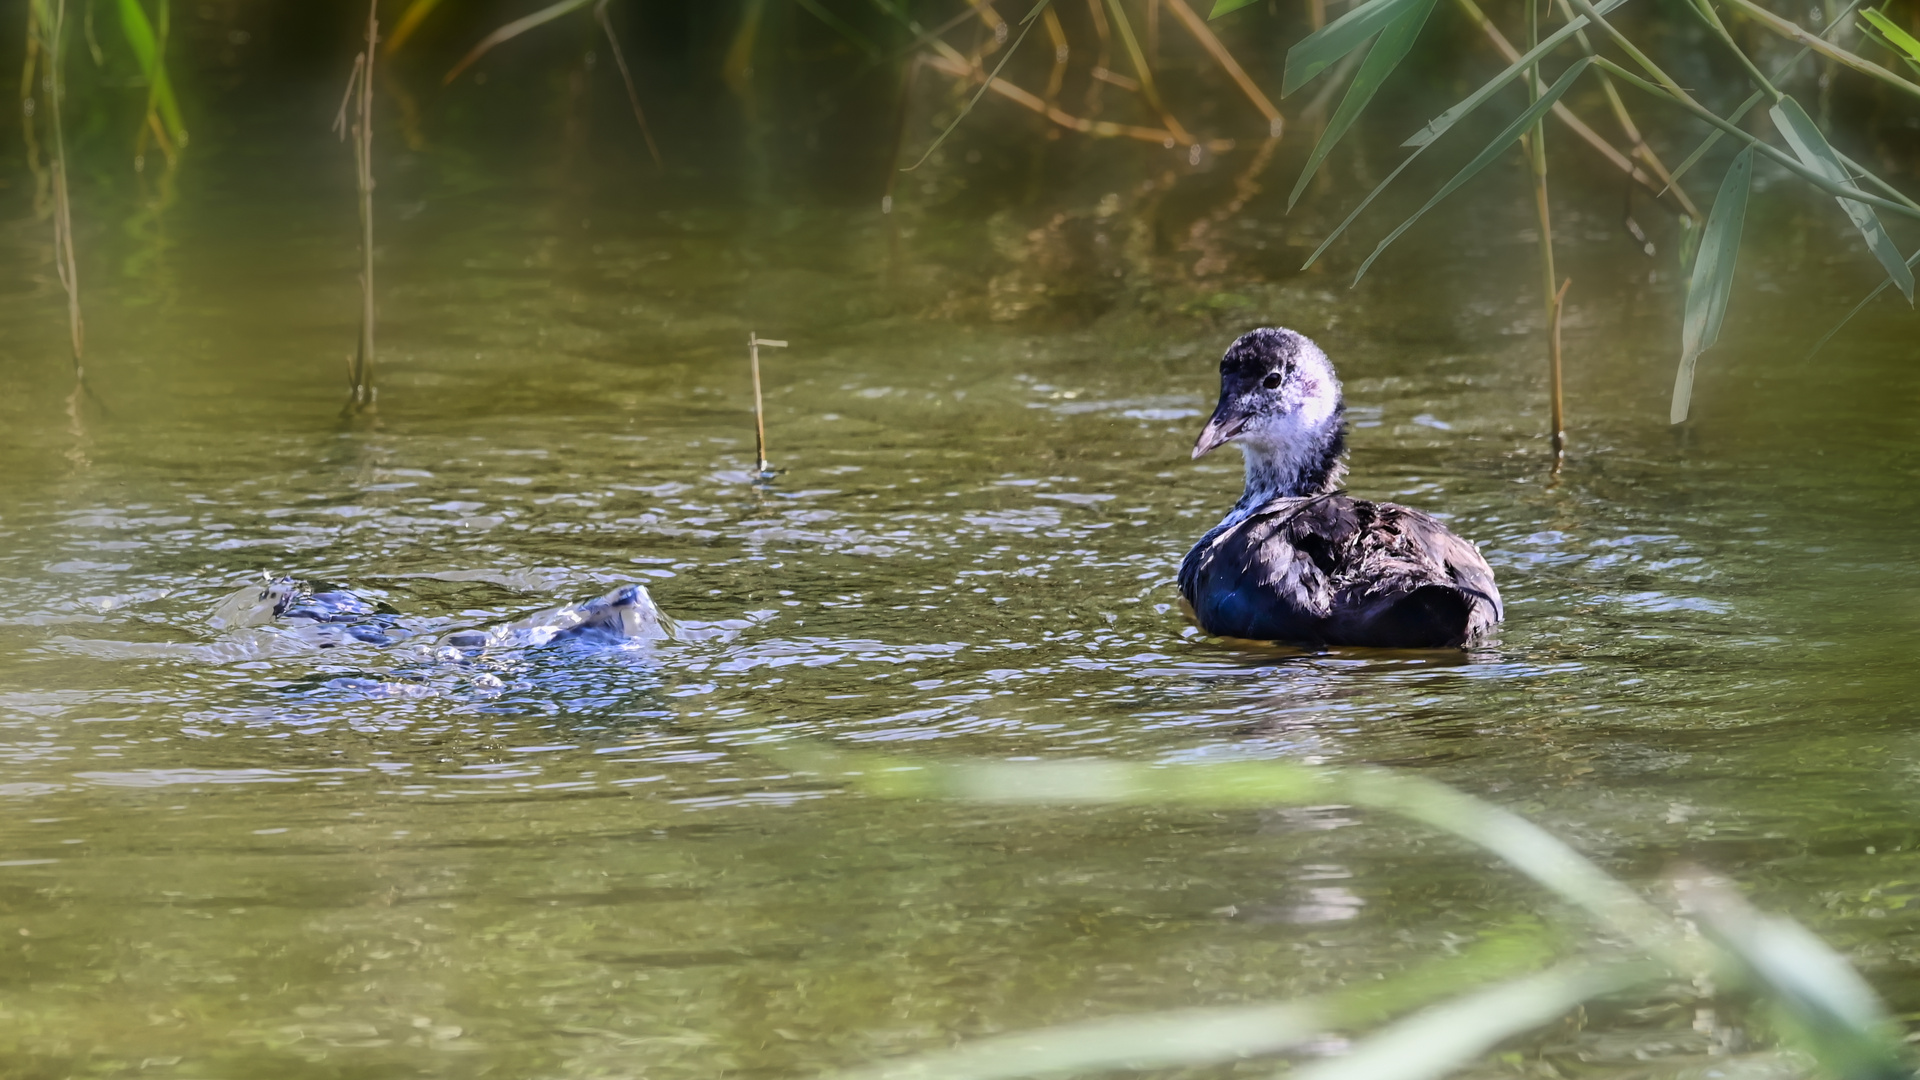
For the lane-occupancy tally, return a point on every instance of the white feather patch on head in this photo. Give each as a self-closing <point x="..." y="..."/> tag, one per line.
<point x="1283" y="446"/>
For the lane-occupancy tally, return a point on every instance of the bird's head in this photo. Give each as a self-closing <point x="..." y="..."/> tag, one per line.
<point x="1280" y="403"/>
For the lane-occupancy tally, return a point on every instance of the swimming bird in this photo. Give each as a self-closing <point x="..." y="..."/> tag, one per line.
<point x="1296" y="559"/>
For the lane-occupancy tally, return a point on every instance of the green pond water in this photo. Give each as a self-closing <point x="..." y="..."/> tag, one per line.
<point x="223" y="858"/>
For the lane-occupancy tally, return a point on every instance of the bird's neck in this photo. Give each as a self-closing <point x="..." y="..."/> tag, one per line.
<point x="1293" y="468"/>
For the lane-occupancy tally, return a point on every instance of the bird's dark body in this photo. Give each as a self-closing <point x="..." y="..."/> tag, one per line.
<point x="1332" y="570"/>
<point x="1297" y="560"/>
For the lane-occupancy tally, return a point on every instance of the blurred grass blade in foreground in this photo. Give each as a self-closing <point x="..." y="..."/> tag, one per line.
<point x="1436" y="1042"/>
<point x="1712" y="280"/>
<point x="1521" y="844"/>
<point x="1839" y="1018"/>
<point x="1824" y="1001"/>
<point x="1135" y="1042"/>
<point x="1187" y="1037"/>
<point x="1810" y="146"/>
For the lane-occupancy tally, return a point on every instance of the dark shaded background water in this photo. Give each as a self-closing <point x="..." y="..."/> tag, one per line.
<point x="222" y="858"/>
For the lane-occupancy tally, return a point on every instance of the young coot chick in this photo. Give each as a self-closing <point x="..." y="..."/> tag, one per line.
<point x="1296" y="559"/>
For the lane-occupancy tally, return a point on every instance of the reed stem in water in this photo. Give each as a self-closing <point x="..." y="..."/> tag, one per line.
<point x="1536" y="147"/>
<point x="754" y="341"/>
<point x="359" y="98"/>
<point x="1553" y="355"/>
<point x="53" y="26"/>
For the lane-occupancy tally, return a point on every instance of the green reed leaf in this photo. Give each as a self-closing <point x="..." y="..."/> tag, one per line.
<point x="1221" y="7"/>
<point x="1438" y="126"/>
<point x="1811" y="147"/>
<point x="513" y="30"/>
<point x="1834" y="27"/>
<point x="1893" y="33"/>
<point x="1492" y="150"/>
<point x="1165" y="1040"/>
<point x="146" y="52"/>
<point x="1521" y="844"/>
<point x="1433" y="1043"/>
<point x="1712" y="280"/>
<point x="1328" y="45"/>
<point x="1868" y="32"/>
<point x="1792" y="31"/>
<point x="1386" y="54"/>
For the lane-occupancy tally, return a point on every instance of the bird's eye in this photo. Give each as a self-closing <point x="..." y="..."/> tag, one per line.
<point x="1272" y="381"/>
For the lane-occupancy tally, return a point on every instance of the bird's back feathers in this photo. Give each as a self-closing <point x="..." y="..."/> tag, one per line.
<point x="1339" y="571"/>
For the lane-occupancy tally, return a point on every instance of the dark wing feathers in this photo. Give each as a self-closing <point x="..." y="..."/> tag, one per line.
<point x="1340" y="571"/>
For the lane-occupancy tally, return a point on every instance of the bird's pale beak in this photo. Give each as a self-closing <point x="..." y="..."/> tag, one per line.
<point x="1222" y="426"/>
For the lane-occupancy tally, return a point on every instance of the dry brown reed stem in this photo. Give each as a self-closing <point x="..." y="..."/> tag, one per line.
<point x="1208" y="41"/>
<point x="1553" y="349"/>
<point x="754" y="341"/>
<point x="924" y="36"/>
<point x="1573" y="122"/>
<point x="1144" y="72"/>
<point x="359" y="96"/>
<point x="960" y="69"/>
<point x="1103" y="56"/>
<point x="1793" y="32"/>
<point x="1057" y="76"/>
<point x="1315" y="114"/>
<point x="1535" y="146"/>
<point x="626" y="77"/>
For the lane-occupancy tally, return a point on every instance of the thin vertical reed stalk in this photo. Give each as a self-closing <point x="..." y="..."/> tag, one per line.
<point x="54" y="25"/>
<point x="42" y="180"/>
<point x="1144" y="72"/>
<point x="754" y="341"/>
<point x="902" y="108"/>
<point x="1553" y="355"/>
<point x="1537" y="156"/>
<point x="359" y="97"/>
<point x="1197" y="26"/>
<point x="1103" y="57"/>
